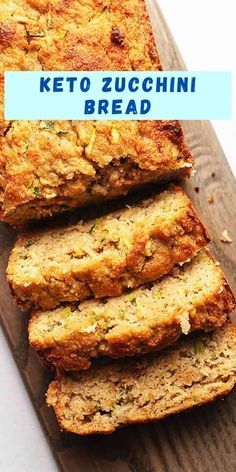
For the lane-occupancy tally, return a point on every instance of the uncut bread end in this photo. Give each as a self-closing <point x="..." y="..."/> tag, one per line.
<point x="198" y="370"/>
<point x="106" y="256"/>
<point x="115" y="159"/>
<point x="54" y="166"/>
<point x="195" y="297"/>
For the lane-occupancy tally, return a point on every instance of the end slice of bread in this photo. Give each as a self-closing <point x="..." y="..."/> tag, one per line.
<point x="197" y="370"/>
<point x="195" y="296"/>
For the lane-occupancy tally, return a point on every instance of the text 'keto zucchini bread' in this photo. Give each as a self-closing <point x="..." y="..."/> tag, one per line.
<point x="106" y="256"/>
<point x="196" y="296"/>
<point x="197" y="370"/>
<point x="48" y="167"/>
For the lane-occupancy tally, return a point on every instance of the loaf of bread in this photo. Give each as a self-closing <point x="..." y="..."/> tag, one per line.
<point x="49" y="167"/>
<point x="106" y="256"/>
<point x="197" y="370"/>
<point x="196" y="296"/>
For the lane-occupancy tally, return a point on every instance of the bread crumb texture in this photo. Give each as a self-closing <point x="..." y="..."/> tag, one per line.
<point x="196" y="296"/>
<point x="211" y="199"/>
<point x="106" y="256"/>
<point x="197" y="370"/>
<point x="225" y="237"/>
<point x="52" y="166"/>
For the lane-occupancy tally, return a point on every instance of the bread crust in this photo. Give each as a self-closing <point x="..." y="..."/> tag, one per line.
<point x="137" y="253"/>
<point x="54" y="166"/>
<point x="73" y="348"/>
<point x="85" y="418"/>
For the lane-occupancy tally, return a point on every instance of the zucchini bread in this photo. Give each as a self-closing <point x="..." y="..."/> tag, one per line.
<point x="48" y="167"/>
<point x="195" y="296"/>
<point x="197" y="370"/>
<point x="106" y="256"/>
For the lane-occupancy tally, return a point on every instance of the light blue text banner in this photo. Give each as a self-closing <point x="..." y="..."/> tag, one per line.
<point x="101" y="95"/>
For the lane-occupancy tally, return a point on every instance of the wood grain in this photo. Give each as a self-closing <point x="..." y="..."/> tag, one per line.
<point x="202" y="440"/>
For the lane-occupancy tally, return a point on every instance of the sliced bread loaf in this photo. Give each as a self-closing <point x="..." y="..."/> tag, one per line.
<point x="197" y="370"/>
<point x="195" y="296"/>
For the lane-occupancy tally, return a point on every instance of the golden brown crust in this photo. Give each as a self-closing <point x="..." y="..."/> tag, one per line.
<point x="198" y="370"/>
<point x="47" y="268"/>
<point x="75" y="35"/>
<point x="51" y="167"/>
<point x="73" y="347"/>
<point x="40" y="180"/>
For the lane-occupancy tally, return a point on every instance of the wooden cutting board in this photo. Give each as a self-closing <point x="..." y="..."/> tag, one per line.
<point x="201" y="440"/>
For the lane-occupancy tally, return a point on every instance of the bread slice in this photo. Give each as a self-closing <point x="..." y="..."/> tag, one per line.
<point x="197" y="370"/>
<point x="55" y="166"/>
<point x="194" y="297"/>
<point x="106" y="256"/>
